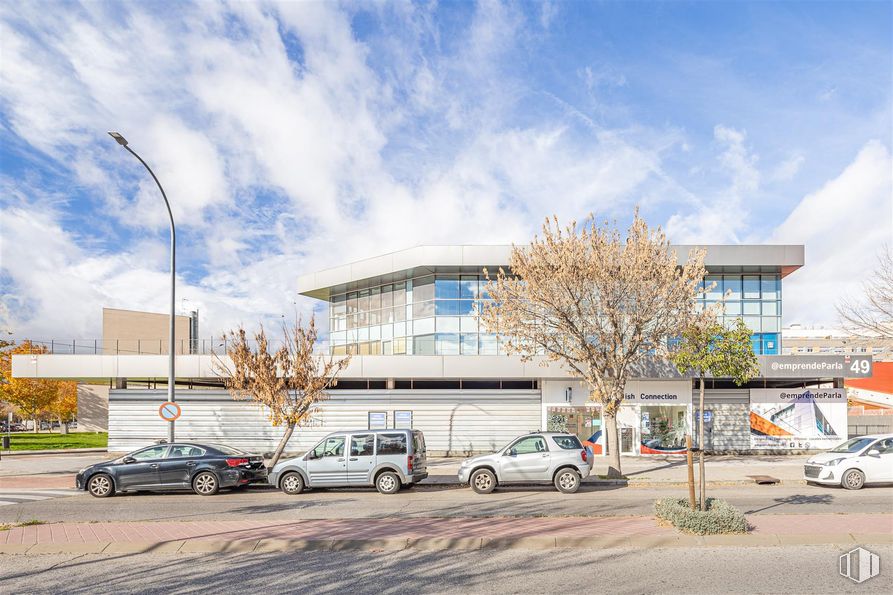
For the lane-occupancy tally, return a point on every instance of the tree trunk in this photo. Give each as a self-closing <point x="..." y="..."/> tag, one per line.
<point x="691" y="473"/>
<point x="702" y="481"/>
<point x="63" y="426"/>
<point x="36" y="426"/>
<point x="613" y="445"/>
<point x="289" y="429"/>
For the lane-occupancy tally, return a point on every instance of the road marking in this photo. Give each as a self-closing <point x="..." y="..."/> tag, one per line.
<point x="8" y="497"/>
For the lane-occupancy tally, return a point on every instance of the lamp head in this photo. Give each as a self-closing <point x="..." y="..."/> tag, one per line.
<point x="121" y="140"/>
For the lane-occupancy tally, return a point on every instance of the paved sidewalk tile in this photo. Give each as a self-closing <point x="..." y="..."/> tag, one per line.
<point x="68" y="548"/>
<point x="15" y="548"/>
<point x="445" y="543"/>
<point x="393" y="543"/>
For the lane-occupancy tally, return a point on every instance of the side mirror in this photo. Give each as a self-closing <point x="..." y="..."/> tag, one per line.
<point x="129" y="460"/>
<point x="512" y="453"/>
<point x="311" y="455"/>
<point x="873" y="452"/>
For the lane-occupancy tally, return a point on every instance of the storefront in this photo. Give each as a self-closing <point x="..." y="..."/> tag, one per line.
<point x="654" y="418"/>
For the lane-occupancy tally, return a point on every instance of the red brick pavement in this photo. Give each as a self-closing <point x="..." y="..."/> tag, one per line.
<point x="360" y="529"/>
<point x="18" y="482"/>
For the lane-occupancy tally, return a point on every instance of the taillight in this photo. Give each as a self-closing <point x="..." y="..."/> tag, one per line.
<point x="409" y="463"/>
<point x="236" y="462"/>
<point x="583" y="455"/>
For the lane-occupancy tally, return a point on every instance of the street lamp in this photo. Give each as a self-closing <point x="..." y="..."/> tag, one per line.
<point x="170" y="376"/>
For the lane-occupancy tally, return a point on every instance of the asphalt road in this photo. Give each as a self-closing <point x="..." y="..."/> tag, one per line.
<point x="435" y="502"/>
<point x="802" y="569"/>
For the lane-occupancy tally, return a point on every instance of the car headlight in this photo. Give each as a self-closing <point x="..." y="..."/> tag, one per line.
<point x="835" y="462"/>
<point x="82" y="471"/>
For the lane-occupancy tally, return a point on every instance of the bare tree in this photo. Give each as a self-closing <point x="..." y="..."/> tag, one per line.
<point x="287" y="382"/>
<point x="871" y="317"/>
<point x="596" y="302"/>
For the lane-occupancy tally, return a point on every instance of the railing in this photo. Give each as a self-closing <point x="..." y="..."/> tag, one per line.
<point x="144" y="346"/>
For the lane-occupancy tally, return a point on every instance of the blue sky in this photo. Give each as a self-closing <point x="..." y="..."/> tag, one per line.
<point x="298" y="136"/>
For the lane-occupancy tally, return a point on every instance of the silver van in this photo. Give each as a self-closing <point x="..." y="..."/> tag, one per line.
<point x="386" y="459"/>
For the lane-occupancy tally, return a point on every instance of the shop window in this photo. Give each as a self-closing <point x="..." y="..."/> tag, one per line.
<point x="663" y="428"/>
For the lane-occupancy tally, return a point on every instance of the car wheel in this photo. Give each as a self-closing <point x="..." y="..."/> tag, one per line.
<point x="853" y="479"/>
<point x="387" y="483"/>
<point x="292" y="483"/>
<point x="567" y="481"/>
<point x="101" y="486"/>
<point x="205" y="484"/>
<point x="483" y="481"/>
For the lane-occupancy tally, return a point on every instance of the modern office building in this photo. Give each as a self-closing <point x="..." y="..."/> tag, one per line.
<point x="422" y="359"/>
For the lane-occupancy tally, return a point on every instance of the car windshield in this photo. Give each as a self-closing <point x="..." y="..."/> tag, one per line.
<point x="854" y="445"/>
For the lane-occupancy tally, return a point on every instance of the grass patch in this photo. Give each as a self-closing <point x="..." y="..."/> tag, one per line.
<point x="720" y="516"/>
<point x="55" y="441"/>
<point x="25" y="524"/>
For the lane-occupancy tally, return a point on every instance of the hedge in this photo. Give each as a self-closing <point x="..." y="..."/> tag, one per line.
<point x="720" y="516"/>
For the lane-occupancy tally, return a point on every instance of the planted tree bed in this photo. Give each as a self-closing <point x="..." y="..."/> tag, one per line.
<point x="720" y="516"/>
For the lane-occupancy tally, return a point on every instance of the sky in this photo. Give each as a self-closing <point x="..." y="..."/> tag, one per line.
<point x="293" y="137"/>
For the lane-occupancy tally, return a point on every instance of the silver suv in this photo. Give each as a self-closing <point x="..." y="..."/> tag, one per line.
<point x="387" y="459"/>
<point x="557" y="458"/>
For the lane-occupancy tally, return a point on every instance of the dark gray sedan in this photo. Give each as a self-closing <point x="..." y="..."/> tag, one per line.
<point x="202" y="468"/>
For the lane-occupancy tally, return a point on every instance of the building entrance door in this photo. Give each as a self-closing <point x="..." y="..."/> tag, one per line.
<point x="627" y="441"/>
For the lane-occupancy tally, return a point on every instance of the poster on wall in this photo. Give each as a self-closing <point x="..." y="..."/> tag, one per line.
<point x="797" y="418"/>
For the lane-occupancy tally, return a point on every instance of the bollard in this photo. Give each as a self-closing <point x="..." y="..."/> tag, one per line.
<point x="6" y="443"/>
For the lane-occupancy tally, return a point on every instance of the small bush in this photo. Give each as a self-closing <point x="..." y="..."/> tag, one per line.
<point x="720" y="516"/>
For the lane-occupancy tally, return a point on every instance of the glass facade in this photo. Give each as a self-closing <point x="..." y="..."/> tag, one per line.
<point x="425" y="315"/>
<point x="755" y="297"/>
<point x="434" y="314"/>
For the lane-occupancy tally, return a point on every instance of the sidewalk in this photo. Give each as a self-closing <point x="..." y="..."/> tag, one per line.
<point x="431" y="534"/>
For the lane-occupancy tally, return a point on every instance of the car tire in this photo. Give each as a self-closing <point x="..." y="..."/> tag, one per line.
<point x="387" y="483"/>
<point x="205" y="484"/>
<point x="101" y="486"/>
<point x="292" y="483"/>
<point x="483" y="481"/>
<point x="567" y="481"/>
<point x="853" y="479"/>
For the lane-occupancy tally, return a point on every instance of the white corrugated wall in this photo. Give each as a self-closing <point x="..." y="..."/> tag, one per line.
<point x="455" y="423"/>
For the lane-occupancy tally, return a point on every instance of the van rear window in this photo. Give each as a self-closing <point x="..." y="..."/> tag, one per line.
<point x="567" y="442"/>
<point x="418" y="442"/>
<point x="392" y="444"/>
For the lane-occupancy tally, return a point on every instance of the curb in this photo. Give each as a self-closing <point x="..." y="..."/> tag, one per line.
<point x="196" y="546"/>
<point x="52" y="451"/>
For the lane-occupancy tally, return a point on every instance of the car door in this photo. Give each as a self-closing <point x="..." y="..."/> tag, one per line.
<point x="141" y="468"/>
<point x="175" y="470"/>
<point x="877" y="466"/>
<point x="326" y="464"/>
<point x="527" y="459"/>
<point x="361" y="459"/>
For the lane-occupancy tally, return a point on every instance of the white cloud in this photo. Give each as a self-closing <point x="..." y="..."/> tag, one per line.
<point x="843" y="225"/>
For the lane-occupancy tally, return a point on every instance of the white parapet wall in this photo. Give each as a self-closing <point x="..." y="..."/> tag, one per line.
<point x="455" y="423"/>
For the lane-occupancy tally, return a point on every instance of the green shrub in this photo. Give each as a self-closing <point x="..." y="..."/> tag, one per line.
<point x="720" y="516"/>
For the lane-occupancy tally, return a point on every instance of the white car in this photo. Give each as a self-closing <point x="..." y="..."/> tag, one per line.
<point x="854" y="463"/>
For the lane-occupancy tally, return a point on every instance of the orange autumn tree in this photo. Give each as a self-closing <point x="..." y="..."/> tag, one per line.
<point x="34" y="398"/>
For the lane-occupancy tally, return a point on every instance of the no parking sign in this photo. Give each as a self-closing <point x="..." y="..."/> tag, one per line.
<point x="169" y="411"/>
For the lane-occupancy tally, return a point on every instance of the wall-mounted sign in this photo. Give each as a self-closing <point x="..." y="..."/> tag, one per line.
<point x="403" y="420"/>
<point x="656" y="392"/>
<point x="378" y="420"/>
<point x="784" y="418"/>
<point x="815" y="366"/>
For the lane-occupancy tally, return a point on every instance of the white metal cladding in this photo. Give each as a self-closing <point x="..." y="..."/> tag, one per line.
<point x="454" y="422"/>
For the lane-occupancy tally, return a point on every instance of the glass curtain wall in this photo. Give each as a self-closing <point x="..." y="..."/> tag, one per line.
<point x="755" y="297"/>
<point x="427" y="315"/>
<point x="434" y="314"/>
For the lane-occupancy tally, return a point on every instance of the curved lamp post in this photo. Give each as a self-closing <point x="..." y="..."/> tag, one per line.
<point x="170" y="376"/>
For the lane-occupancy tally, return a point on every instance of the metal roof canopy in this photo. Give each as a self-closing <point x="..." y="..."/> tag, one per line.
<point x="405" y="264"/>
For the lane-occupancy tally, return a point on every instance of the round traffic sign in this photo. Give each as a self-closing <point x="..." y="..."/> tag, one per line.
<point x="169" y="411"/>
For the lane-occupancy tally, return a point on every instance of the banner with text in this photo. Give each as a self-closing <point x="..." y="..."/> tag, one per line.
<point x="795" y="418"/>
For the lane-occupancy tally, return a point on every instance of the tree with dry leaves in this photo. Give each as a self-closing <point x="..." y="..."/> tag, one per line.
<point x="32" y="398"/>
<point x="287" y="382"/>
<point x="596" y="302"/>
<point x="871" y="317"/>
